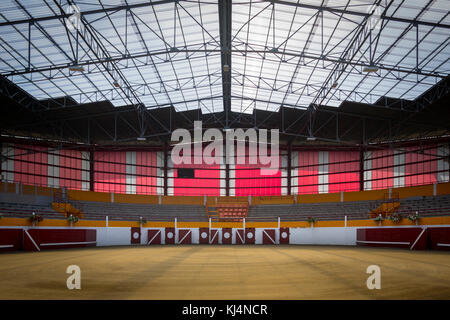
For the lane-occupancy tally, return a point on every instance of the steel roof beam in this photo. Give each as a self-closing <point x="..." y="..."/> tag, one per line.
<point x="225" y="43"/>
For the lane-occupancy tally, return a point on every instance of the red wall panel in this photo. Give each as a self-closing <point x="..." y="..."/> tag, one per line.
<point x="268" y="236"/>
<point x="204" y="235"/>
<point x="250" y="236"/>
<point x="227" y="236"/>
<point x="340" y="177"/>
<point x="206" y="182"/>
<point x="169" y="236"/>
<point x="11" y="239"/>
<point x="307" y="172"/>
<point x="184" y="236"/>
<point x="391" y="237"/>
<point x="110" y="172"/>
<point x="250" y="180"/>
<point x="284" y="235"/>
<point x="439" y="238"/>
<point x="70" y="169"/>
<point x="32" y="169"/>
<point x="135" y="235"/>
<point x="154" y="236"/>
<point x="146" y="176"/>
<point x="420" y="173"/>
<point x="382" y="177"/>
<point x="48" y="239"/>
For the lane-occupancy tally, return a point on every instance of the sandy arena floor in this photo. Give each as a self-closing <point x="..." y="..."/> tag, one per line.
<point x="226" y="272"/>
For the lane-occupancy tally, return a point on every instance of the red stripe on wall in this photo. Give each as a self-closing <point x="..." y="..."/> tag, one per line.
<point x="31" y="173"/>
<point x="110" y="175"/>
<point x="339" y="176"/>
<point x="382" y="177"/>
<point x="70" y="162"/>
<point x="146" y="176"/>
<point x="307" y="172"/>
<point x="418" y="173"/>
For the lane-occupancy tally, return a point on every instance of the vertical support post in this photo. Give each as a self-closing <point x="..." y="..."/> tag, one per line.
<point x="289" y="168"/>
<point x="1" y="152"/>
<point x="91" y="170"/>
<point x="361" y="169"/>
<point x="107" y="221"/>
<point x="176" y="232"/>
<point x="227" y="173"/>
<point x="243" y="233"/>
<point x="345" y="221"/>
<point x="448" y="161"/>
<point x="166" y="178"/>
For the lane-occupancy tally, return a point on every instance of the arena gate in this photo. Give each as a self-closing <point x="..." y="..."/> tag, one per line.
<point x="169" y="236"/>
<point x="135" y="235"/>
<point x="269" y="236"/>
<point x="154" y="236"/>
<point x="284" y="235"/>
<point x="227" y="236"/>
<point x="184" y="236"/>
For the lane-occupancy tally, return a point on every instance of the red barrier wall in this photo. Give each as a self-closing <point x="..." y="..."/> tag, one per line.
<point x="48" y="239"/>
<point x="438" y="238"/>
<point x="11" y="240"/>
<point x="391" y="237"/>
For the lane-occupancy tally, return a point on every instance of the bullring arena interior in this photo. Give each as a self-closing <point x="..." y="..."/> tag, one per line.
<point x="313" y="138"/>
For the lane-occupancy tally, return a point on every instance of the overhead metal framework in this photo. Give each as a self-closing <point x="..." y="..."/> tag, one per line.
<point x="225" y="58"/>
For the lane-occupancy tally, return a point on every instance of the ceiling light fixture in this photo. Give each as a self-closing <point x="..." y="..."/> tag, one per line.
<point x="370" y="68"/>
<point x="76" y="68"/>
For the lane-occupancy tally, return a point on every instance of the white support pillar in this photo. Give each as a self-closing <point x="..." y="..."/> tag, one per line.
<point x="176" y="232"/>
<point x="368" y="170"/>
<point x="442" y="164"/>
<point x="294" y="172"/>
<point x="399" y="169"/>
<point x="85" y="167"/>
<point x="284" y="173"/>
<point x="8" y="165"/>
<point x="345" y="221"/>
<point x="170" y="177"/>
<point x="323" y="171"/>
<point x="130" y="178"/>
<point x="159" y="173"/>
<point x="53" y="168"/>
<point x="107" y="221"/>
